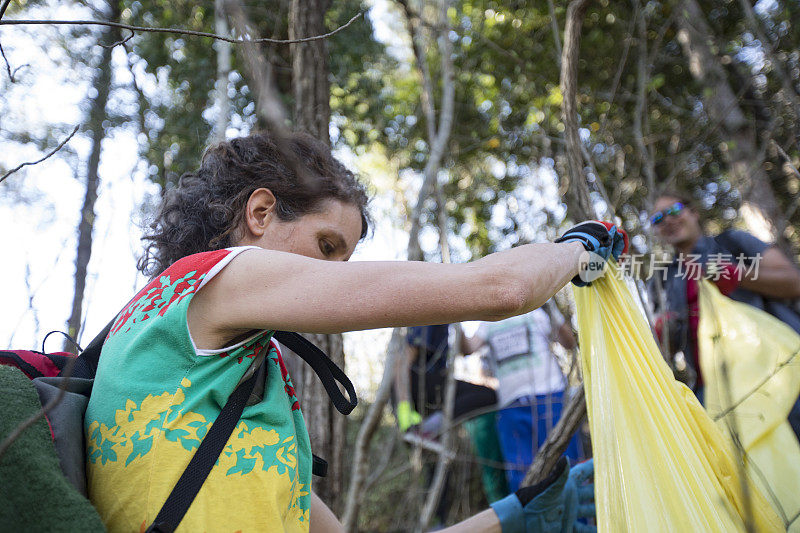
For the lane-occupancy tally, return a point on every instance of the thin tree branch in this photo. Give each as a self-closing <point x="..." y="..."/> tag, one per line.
<point x="786" y="157"/>
<point x="438" y="142"/>
<point x="371" y="421"/>
<point x="733" y="431"/>
<point x="428" y="106"/>
<point x="618" y="75"/>
<point x="378" y="471"/>
<point x="438" y="135"/>
<point x="140" y="96"/>
<point x="610" y="205"/>
<point x="575" y="410"/>
<point x="715" y="124"/>
<point x="120" y="42"/>
<point x="569" y="88"/>
<point x="778" y="368"/>
<point x="445" y="456"/>
<point x="178" y="31"/>
<point x="790" y="92"/>
<point x="554" y="27"/>
<point x="557" y="441"/>
<point x="796" y="202"/>
<point x="500" y="50"/>
<point x="4" y="7"/>
<point x="56" y="149"/>
<point x="8" y="66"/>
<point x="640" y="112"/>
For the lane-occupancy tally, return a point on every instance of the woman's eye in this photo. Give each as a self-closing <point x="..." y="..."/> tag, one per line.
<point x="326" y="248"/>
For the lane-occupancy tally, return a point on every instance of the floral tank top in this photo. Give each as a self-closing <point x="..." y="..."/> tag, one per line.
<point x="156" y="395"/>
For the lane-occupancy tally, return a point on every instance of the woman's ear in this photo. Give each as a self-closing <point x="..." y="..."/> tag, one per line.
<point x="259" y="211"/>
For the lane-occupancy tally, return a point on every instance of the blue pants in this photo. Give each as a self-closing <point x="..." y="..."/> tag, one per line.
<point x="521" y="437"/>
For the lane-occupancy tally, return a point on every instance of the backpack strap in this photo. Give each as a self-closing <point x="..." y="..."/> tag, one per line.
<point x="319" y="466"/>
<point x="326" y="370"/>
<point x="728" y="242"/>
<point x="86" y="363"/>
<point x="203" y="460"/>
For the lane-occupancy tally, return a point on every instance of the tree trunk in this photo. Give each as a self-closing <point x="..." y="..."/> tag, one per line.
<point x="223" y="49"/>
<point x="311" y="89"/>
<point x="579" y="208"/>
<point x="310" y="84"/>
<point x="578" y="192"/>
<point x="97" y="115"/>
<point x="722" y="106"/>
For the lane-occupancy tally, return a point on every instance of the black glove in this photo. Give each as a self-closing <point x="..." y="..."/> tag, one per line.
<point x="603" y="239"/>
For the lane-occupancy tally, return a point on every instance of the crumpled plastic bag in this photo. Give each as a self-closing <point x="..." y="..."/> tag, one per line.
<point x="751" y="370"/>
<point x="661" y="464"/>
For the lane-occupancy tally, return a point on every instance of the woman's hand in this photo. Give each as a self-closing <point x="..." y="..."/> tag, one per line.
<point x="553" y="505"/>
<point x="603" y="240"/>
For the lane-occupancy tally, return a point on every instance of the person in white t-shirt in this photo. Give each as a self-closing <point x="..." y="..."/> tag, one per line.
<point x="530" y="388"/>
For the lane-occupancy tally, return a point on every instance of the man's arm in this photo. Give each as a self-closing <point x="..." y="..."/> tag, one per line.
<point x="565" y="337"/>
<point x="404" y="409"/>
<point x="402" y="375"/>
<point x="775" y="277"/>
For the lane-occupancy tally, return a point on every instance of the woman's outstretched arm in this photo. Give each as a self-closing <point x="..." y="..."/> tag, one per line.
<point x="264" y="289"/>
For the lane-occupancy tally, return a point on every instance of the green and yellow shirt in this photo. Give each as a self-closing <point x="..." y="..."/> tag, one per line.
<point x="156" y="395"/>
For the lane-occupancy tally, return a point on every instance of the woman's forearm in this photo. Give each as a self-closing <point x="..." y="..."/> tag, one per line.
<point x="535" y="272"/>
<point x="484" y="522"/>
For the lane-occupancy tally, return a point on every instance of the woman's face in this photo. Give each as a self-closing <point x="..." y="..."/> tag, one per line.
<point x="330" y="234"/>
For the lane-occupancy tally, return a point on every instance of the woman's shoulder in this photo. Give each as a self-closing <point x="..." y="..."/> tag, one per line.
<point x="202" y="262"/>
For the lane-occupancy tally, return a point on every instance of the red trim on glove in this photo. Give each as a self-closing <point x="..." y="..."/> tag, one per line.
<point x="610" y="225"/>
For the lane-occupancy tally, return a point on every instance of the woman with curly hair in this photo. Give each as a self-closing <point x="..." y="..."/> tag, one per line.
<point x="239" y="249"/>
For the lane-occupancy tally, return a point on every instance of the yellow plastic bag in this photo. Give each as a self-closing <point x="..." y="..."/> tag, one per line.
<point x="661" y="464"/>
<point x="751" y="370"/>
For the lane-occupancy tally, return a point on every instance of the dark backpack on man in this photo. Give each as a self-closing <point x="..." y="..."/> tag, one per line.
<point x="64" y="383"/>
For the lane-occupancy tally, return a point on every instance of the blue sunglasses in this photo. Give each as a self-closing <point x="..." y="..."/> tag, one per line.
<point x="658" y="216"/>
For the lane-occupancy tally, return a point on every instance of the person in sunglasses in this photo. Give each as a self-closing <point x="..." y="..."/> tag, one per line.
<point x="742" y="266"/>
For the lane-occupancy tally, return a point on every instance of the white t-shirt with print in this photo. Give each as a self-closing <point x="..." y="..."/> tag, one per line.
<point x="520" y="356"/>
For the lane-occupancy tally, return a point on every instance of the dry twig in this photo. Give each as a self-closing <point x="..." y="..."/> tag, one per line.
<point x="56" y="149"/>
<point x="438" y="136"/>
<point x="8" y="66"/>
<point x="4" y="7"/>
<point x="179" y="31"/>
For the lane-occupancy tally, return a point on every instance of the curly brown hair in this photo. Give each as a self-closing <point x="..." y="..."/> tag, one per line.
<point x="205" y="211"/>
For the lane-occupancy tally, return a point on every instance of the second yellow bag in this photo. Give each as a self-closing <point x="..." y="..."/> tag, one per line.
<point x="751" y="368"/>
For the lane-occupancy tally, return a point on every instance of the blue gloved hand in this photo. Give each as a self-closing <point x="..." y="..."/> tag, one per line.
<point x="553" y="505"/>
<point x="603" y="239"/>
